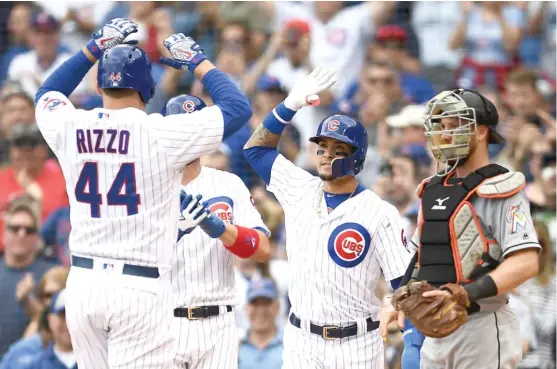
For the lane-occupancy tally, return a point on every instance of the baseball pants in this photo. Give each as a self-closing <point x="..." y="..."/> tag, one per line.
<point x="119" y="321"/>
<point x="305" y="350"/>
<point x="209" y="343"/>
<point x="487" y="340"/>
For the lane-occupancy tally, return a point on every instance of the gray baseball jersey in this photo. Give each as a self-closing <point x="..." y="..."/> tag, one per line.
<point x="506" y="222"/>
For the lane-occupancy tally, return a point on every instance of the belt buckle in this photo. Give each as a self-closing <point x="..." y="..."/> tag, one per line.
<point x="190" y="314"/>
<point x="326" y="332"/>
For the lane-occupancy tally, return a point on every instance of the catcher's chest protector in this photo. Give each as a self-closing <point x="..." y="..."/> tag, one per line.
<point x="453" y="248"/>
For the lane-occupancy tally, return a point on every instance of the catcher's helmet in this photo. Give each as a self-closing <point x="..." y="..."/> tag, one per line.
<point x="128" y="67"/>
<point x="183" y="104"/>
<point x="471" y="109"/>
<point x="350" y="131"/>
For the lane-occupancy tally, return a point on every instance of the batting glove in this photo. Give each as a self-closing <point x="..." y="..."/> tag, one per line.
<point x="192" y="212"/>
<point x="306" y="91"/>
<point x="112" y="34"/>
<point x="212" y="225"/>
<point x="186" y="53"/>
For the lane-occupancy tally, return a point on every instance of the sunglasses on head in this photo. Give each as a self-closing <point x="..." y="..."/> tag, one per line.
<point x="15" y="228"/>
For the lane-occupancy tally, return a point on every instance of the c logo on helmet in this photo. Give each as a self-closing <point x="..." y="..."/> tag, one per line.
<point x="348" y="244"/>
<point x="333" y="125"/>
<point x="222" y="207"/>
<point x="189" y="106"/>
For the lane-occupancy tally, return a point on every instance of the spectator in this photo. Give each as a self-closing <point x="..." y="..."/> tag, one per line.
<point x="408" y="125"/>
<point x="33" y="67"/>
<point x="404" y="180"/>
<point x="291" y="67"/>
<point x="59" y="354"/>
<point x="489" y="34"/>
<point x="541" y="192"/>
<point x="335" y="31"/>
<point x="542" y="23"/>
<point x="434" y="23"/>
<point x="391" y="46"/>
<point x="31" y="172"/>
<point x="53" y="281"/>
<point x="18" y="28"/>
<point x="19" y="270"/>
<point x="17" y="107"/>
<point x="234" y="51"/>
<point x="22" y="353"/>
<point x="262" y="346"/>
<point x="540" y="294"/>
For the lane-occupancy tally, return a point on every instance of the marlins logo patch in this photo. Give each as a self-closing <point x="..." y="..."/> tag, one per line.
<point x="349" y="244"/>
<point x="222" y="207"/>
<point x="517" y="218"/>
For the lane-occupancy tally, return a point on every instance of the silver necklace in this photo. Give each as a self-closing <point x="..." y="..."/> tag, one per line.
<point x="322" y="195"/>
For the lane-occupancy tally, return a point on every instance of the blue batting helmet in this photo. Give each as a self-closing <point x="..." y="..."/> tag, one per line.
<point x="350" y="131"/>
<point x="128" y="67"/>
<point x="183" y="104"/>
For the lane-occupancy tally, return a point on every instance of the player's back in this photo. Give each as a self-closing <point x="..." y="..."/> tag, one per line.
<point x="122" y="170"/>
<point x="122" y="189"/>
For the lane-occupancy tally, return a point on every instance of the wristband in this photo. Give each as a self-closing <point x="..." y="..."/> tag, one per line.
<point x="277" y="120"/>
<point x="482" y="288"/>
<point x="195" y="61"/>
<point x="246" y="244"/>
<point x="213" y="226"/>
<point x="94" y="49"/>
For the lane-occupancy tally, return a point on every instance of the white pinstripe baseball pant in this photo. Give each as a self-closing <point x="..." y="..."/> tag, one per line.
<point x="304" y="350"/>
<point x="119" y="321"/>
<point x="210" y="343"/>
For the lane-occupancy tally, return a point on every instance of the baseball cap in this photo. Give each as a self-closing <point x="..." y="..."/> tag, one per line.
<point x="269" y="83"/>
<point x="295" y="29"/>
<point x="390" y="32"/>
<point x="417" y="152"/>
<point x="263" y="287"/>
<point x="409" y="116"/>
<point x="44" y="22"/>
<point x="58" y="304"/>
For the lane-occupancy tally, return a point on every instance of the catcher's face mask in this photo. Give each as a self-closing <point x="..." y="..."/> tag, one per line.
<point x="449" y="127"/>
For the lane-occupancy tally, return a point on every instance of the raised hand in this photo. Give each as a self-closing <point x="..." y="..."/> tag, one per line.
<point x="112" y="34"/>
<point x="185" y="52"/>
<point x="306" y="91"/>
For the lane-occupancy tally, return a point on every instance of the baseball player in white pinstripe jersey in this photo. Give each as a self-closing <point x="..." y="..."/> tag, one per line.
<point x="203" y="270"/>
<point x="340" y="237"/>
<point x="123" y="169"/>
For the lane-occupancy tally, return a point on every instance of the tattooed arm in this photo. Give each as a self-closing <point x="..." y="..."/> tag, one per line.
<point x="262" y="137"/>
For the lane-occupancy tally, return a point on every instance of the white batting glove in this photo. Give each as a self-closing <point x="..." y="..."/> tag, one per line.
<point x="306" y="91"/>
<point x="193" y="212"/>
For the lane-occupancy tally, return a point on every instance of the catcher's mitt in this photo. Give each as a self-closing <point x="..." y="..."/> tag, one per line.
<point x="437" y="316"/>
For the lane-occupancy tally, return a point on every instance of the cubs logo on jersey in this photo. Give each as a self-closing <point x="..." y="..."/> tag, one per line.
<point x="222" y="207"/>
<point x="348" y="244"/>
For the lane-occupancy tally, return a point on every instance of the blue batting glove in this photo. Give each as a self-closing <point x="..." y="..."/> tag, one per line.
<point x="212" y="225"/>
<point x="186" y="53"/>
<point x="112" y="34"/>
<point x="413" y="341"/>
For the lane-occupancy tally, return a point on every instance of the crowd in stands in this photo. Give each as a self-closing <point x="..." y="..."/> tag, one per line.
<point x="391" y="57"/>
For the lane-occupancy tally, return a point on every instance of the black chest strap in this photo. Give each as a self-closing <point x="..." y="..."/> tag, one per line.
<point x="440" y="201"/>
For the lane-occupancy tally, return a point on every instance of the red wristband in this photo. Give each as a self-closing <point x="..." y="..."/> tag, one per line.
<point x="247" y="242"/>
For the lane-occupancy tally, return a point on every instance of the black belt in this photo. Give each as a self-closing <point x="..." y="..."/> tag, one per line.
<point x="331" y="332"/>
<point x="129" y="269"/>
<point x="199" y="312"/>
